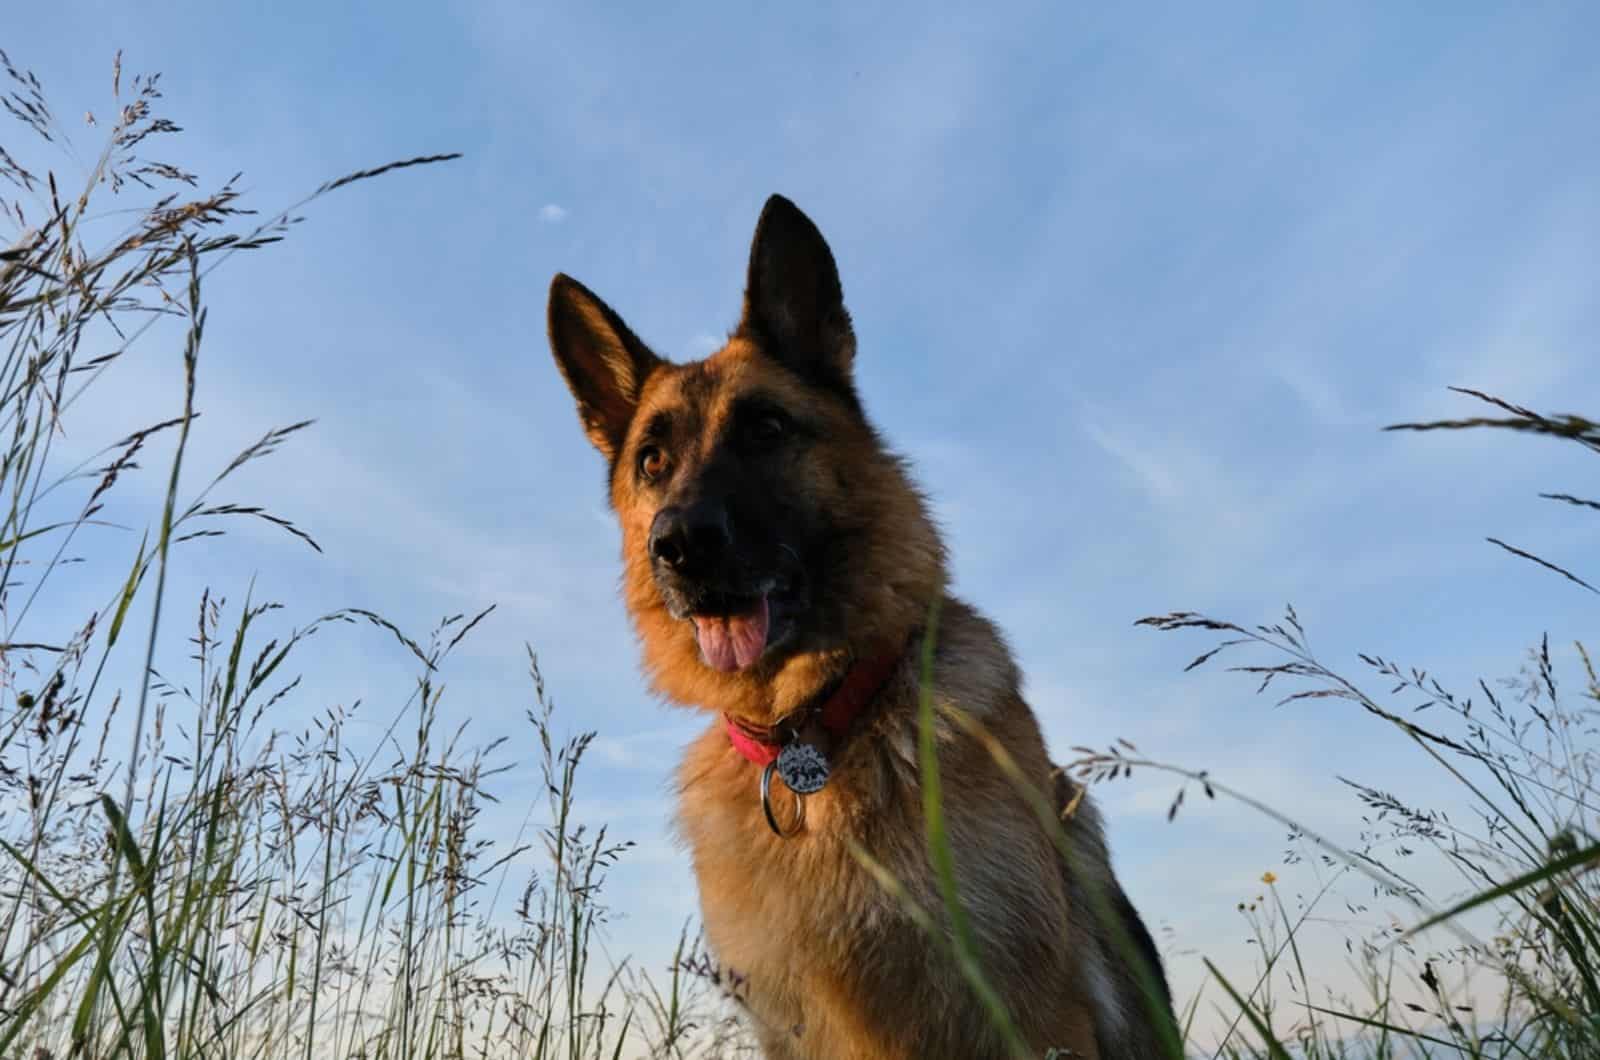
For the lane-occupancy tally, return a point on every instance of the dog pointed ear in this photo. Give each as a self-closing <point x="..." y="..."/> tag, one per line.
<point x="604" y="364"/>
<point x="793" y="299"/>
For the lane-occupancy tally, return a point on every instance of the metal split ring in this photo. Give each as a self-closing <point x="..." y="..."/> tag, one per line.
<point x="766" y="805"/>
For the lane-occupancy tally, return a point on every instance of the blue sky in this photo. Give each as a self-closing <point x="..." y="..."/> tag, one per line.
<point x="1134" y="291"/>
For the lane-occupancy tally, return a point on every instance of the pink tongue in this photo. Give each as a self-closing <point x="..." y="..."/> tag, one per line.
<point x="734" y="642"/>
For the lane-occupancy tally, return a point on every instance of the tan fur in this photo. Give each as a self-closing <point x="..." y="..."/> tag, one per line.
<point x="830" y="965"/>
<point x="845" y="467"/>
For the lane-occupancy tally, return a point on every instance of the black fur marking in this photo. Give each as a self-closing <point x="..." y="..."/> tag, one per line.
<point x="697" y="382"/>
<point x="1144" y="943"/>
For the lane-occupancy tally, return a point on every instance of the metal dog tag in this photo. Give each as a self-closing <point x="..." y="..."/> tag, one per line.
<point x="803" y="767"/>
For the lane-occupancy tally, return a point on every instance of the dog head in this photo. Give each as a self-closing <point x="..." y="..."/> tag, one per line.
<point x="768" y="535"/>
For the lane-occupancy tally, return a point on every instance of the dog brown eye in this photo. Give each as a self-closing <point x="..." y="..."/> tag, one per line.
<point x="768" y="429"/>
<point x="652" y="461"/>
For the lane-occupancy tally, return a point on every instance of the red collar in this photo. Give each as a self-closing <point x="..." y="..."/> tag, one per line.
<point x="864" y="681"/>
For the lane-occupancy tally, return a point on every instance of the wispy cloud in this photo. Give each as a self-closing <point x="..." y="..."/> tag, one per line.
<point x="1155" y="475"/>
<point x="1133" y="295"/>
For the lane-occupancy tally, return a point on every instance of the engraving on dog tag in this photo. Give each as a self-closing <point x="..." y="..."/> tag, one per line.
<point x="803" y="767"/>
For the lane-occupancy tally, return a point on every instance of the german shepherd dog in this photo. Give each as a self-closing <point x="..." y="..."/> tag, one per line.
<point x="780" y="568"/>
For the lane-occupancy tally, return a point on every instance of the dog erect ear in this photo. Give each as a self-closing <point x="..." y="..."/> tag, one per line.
<point x="604" y="364"/>
<point x="792" y="297"/>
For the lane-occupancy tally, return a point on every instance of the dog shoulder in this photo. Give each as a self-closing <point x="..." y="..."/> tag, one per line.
<point x="973" y="667"/>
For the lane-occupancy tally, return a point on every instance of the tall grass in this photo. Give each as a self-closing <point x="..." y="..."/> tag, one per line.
<point x="1508" y="968"/>
<point x="1524" y="760"/>
<point x="181" y="874"/>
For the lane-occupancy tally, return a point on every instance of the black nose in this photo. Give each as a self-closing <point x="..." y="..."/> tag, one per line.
<point x="690" y="539"/>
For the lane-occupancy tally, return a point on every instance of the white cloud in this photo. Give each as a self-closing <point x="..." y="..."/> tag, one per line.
<point x="1153" y="470"/>
<point x="1142" y="289"/>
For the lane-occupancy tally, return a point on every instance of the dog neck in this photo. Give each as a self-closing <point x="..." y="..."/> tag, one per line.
<point x="835" y="714"/>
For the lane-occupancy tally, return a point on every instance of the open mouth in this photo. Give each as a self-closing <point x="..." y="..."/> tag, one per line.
<point x="734" y="640"/>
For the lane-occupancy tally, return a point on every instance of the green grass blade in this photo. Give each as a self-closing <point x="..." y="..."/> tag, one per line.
<point x="1275" y="1049"/>
<point x="129" y="590"/>
<point x="939" y="852"/>
<point x="1576" y="860"/>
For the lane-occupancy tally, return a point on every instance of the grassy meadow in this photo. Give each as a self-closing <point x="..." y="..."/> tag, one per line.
<point x="180" y="878"/>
